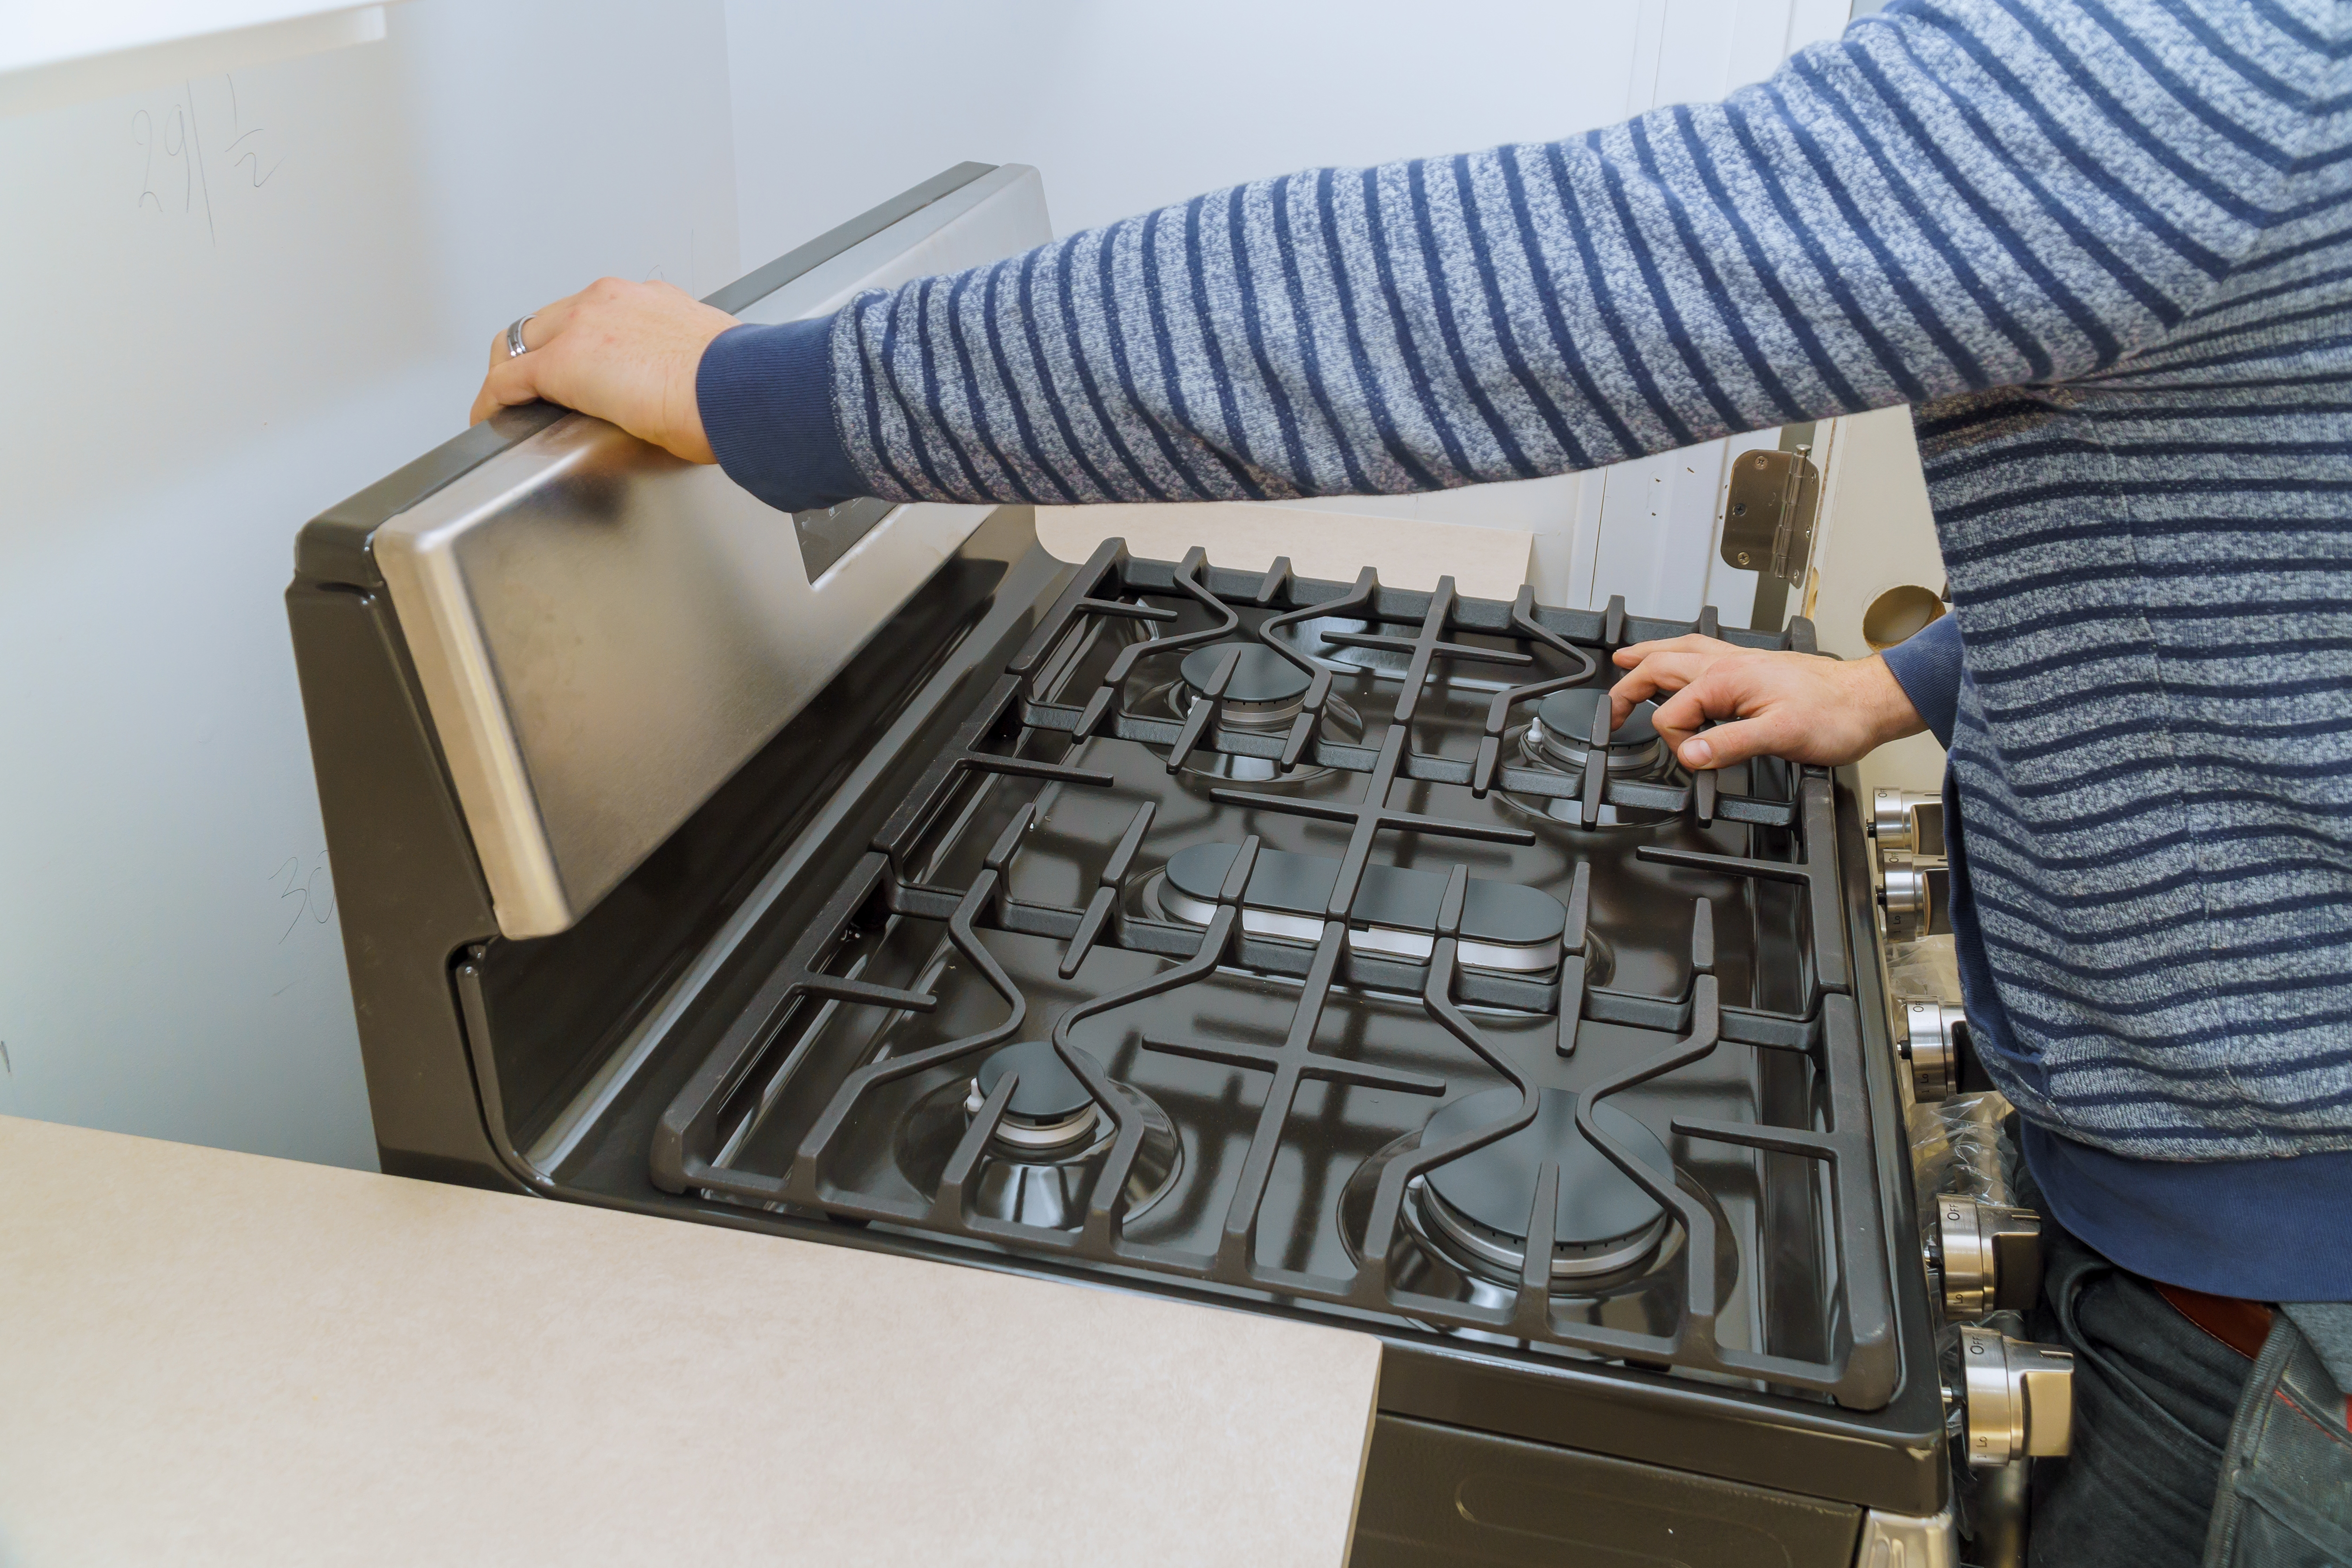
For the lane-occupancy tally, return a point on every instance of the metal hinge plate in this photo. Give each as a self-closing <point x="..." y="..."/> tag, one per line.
<point x="1769" y="514"/>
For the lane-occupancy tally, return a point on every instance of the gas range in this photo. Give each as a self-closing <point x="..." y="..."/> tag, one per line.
<point x="1297" y="946"/>
<point x="1280" y="938"/>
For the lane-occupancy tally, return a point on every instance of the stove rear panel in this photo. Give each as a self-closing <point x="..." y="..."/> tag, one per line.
<point x="605" y="634"/>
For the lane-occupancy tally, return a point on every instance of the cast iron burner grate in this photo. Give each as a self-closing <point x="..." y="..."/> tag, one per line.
<point x="1380" y="928"/>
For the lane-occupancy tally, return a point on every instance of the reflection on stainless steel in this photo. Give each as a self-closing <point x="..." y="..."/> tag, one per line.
<point x="605" y="633"/>
<point x="1907" y="1541"/>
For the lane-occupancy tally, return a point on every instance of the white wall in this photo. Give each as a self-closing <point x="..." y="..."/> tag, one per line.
<point x="1126" y="107"/>
<point x="229" y="304"/>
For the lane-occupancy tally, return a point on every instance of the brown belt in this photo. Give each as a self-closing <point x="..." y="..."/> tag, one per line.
<point x="2240" y="1325"/>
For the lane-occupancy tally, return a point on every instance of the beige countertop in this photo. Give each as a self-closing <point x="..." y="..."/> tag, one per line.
<point x="217" y="1358"/>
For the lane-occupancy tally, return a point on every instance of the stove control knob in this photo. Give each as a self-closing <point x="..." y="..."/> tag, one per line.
<point x="1914" y="894"/>
<point x="1906" y="819"/>
<point x="2021" y="1398"/>
<point x="1928" y="1034"/>
<point x="1987" y="1255"/>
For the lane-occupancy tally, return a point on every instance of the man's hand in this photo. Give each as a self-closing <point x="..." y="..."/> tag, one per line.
<point x="1797" y="706"/>
<point x="625" y="353"/>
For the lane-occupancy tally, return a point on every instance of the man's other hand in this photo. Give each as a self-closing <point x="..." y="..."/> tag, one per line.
<point x="1798" y="705"/>
<point x="627" y="352"/>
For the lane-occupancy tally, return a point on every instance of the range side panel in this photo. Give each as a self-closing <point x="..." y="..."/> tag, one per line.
<point x="409" y="893"/>
<point x="1876" y="1459"/>
<point x="1437" y="1494"/>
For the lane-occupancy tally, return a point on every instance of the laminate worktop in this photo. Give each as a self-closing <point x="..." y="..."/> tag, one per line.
<point x="217" y="1358"/>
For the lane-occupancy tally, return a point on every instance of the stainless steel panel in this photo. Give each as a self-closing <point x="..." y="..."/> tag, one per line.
<point x="1902" y="1541"/>
<point x="605" y="633"/>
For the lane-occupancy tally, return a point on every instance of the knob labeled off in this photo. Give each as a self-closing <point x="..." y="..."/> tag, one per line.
<point x="1906" y="819"/>
<point x="1987" y="1255"/>
<point x="1928" y="1035"/>
<point x="1916" y="894"/>
<point x="2020" y="1397"/>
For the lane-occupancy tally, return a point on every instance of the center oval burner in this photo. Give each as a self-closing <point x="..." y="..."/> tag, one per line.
<point x="1264" y="686"/>
<point x="1478" y="1205"/>
<point x="1263" y="696"/>
<point x="1504" y="925"/>
<point x="1562" y="734"/>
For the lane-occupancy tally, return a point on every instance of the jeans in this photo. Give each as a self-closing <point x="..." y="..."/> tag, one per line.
<point x="2159" y="1405"/>
<point x="2286" y="1498"/>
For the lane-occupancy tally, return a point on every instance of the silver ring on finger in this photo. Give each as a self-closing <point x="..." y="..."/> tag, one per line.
<point x="516" y="347"/>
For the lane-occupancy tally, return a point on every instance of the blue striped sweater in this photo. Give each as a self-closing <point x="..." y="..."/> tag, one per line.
<point x="2104" y="249"/>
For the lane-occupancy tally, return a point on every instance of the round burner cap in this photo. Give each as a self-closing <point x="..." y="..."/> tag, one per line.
<point x="1568" y="718"/>
<point x="1048" y="1092"/>
<point x="1260" y="675"/>
<point x="1496" y="1185"/>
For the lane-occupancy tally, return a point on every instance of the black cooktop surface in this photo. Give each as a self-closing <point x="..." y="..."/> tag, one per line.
<point x="1285" y="945"/>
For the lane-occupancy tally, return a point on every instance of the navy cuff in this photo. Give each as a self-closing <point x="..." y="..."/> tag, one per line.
<point x="766" y="398"/>
<point x="1926" y="665"/>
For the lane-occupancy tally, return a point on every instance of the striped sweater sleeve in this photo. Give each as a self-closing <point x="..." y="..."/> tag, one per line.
<point x="1946" y="198"/>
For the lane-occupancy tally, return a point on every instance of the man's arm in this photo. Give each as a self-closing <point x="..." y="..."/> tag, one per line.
<point x="1943" y="199"/>
<point x="1802" y="707"/>
<point x="1956" y="194"/>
